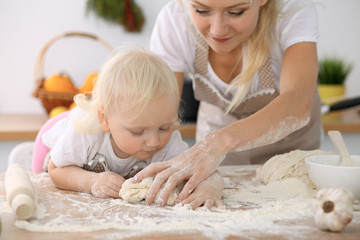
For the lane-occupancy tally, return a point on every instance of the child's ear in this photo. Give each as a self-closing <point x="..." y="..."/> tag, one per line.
<point x="103" y="120"/>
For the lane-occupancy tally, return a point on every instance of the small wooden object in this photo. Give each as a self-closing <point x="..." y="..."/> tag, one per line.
<point x="19" y="191"/>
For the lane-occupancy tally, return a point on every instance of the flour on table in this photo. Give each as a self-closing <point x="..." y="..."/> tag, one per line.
<point x="136" y="192"/>
<point x="252" y="209"/>
<point x="288" y="165"/>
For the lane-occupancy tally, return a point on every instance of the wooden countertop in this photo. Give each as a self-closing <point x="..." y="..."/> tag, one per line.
<point x="72" y="215"/>
<point x="25" y="127"/>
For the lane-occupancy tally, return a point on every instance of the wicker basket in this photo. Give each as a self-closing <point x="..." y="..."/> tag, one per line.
<point x="53" y="99"/>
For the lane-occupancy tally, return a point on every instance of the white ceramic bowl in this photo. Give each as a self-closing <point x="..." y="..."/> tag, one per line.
<point x="325" y="172"/>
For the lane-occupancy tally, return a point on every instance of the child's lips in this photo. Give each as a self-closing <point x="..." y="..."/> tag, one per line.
<point x="149" y="151"/>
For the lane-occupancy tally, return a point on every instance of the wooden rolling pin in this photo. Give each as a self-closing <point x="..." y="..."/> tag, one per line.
<point x="19" y="191"/>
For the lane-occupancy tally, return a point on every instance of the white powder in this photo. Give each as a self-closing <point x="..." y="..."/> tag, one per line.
<point x="289" y="125"/>
<point x="252" y="210"/>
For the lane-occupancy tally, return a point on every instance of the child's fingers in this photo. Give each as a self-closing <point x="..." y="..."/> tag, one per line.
<point x="209" y="203"/>
<point x="219" y="204"/>
<point x="190" y="186"/>
<point x="109" y="192"/>
<point x="197" y="202"/>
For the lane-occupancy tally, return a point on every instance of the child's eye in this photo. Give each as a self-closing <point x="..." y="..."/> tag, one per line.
<point x="137" y="133"/>
<point x="165" y="129"/>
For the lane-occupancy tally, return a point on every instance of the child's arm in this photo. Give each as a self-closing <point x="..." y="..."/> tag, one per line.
<point x="207" y="193"/>
<point x="105" y="184"/>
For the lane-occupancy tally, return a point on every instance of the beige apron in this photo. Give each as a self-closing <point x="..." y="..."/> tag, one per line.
<point x="212" y="116"/>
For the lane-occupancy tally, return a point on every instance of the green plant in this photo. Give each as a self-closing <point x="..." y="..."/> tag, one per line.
<point x="124" y="12"/>
<point x="333" y="70"/>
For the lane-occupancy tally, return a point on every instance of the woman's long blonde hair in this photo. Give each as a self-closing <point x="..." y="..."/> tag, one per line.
<point x="255" y="52"/>
<point x="133" y="75"/>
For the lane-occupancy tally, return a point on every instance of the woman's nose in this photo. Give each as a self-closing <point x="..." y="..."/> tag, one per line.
<point x="218" y="26"/>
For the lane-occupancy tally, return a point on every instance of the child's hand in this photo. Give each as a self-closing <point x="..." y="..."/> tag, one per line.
<point x="207" y="193"/>
<point x="107" y="184"/>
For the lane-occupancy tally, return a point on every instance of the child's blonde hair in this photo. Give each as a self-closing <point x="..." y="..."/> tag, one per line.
<point x="132" y="74"/>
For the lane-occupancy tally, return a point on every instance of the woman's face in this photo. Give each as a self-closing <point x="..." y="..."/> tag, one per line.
<point x="141" y="135"/>
<point x="225" y="24"/>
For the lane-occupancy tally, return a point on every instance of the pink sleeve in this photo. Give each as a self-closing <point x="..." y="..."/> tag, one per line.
<point x="40" y="150"/>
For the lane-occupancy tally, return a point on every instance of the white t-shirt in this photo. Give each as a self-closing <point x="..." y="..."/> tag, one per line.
<point x="69" y="147"/>
<point x="174" y="38"/>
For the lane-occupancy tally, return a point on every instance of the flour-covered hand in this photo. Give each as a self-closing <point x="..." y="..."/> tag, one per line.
<point x="194" y="165"/>
<point x="107" y="184"/>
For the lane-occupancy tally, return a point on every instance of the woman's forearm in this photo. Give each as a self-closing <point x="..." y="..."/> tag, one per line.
<point x="266" y="127"/>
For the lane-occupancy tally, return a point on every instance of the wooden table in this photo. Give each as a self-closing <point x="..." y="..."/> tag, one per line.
<point x="346" y="121"/>
<point x="20" y="127"/>
<point x="61" y="211"/>
<point x="25" y="127"/>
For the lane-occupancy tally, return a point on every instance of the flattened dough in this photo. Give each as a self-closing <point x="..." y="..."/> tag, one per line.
<point x="287" y="165"/>
<point x="136" y="192"/>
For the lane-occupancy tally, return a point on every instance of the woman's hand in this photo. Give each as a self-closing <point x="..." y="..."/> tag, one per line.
<point x="194" y="165"/>
<point x="207" y="193"/>
<point x="107" y="184"/>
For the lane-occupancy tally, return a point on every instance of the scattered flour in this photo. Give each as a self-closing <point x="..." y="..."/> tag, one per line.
<point x="251" y="210"/>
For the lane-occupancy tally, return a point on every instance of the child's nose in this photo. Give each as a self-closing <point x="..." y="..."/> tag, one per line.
<point x="153" y="140"/>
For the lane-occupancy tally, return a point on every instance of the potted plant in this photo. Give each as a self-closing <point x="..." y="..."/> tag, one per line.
<point x="332" y="74"/>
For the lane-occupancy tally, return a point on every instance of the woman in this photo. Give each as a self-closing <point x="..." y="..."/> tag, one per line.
<point x="254" y="70"/>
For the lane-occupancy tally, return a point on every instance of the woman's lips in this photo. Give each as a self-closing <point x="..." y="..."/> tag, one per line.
<point x="220" y="40"/>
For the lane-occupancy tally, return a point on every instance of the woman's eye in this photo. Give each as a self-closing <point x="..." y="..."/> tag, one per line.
<point x="236" y="13"/>
<point x="201" y="11"/>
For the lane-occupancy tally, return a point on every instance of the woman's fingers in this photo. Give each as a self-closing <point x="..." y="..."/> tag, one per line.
<point x="158" y="182"/>
<point x="150" y="170"/>
<point x="175" y="179"/>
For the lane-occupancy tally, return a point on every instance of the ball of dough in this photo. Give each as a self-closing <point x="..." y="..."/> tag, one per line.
<point x="136" y="192"/>
<point x="287" y="165"/>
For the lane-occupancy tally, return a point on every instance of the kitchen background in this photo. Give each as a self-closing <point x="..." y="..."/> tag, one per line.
<point x="26" y="26"/>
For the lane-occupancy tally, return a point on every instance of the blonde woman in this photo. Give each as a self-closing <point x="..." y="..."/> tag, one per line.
<point x="253" y="65"/>
<point x="128" y="123"/>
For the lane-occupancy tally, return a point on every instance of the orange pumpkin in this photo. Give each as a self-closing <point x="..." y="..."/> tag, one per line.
<point x="89" y="83"/>
<point x="59" y="83"/>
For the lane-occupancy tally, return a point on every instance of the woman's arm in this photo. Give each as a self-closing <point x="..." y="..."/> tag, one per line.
<point x="105" y="184"/>
<point x="287" y="113"/>
<point x="290" y="111"/>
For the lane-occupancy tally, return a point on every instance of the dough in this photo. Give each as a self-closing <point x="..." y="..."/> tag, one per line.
<point x="287" y="165"/>
<point x="136" y="192"/>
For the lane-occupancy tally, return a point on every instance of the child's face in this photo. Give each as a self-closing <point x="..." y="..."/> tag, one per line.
<point x="145" y="134"/>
